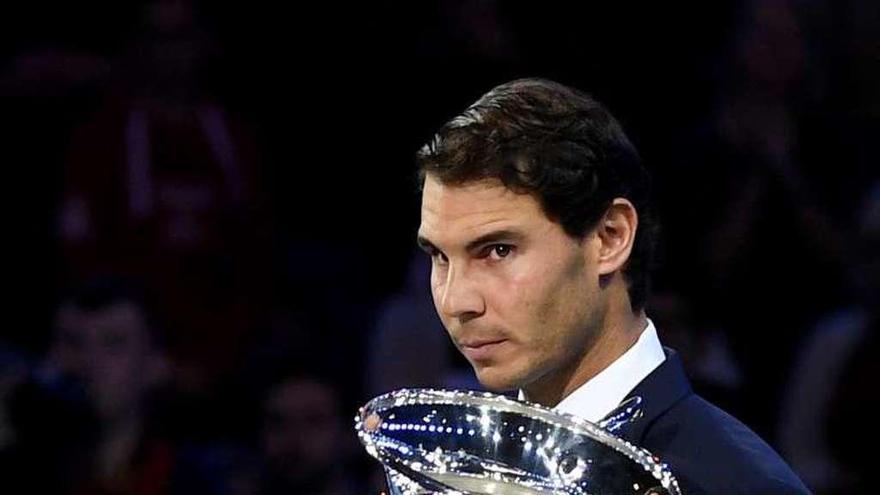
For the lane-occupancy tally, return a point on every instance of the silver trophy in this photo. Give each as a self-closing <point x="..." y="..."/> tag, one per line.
<point x="476" y="443"/>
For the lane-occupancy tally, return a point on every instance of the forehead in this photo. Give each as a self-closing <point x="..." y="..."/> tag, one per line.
<point x="453" y="211"/>
<point x="118" y="319"/>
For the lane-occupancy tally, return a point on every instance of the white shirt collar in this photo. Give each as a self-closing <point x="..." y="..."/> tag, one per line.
<point x="604" y="392"/>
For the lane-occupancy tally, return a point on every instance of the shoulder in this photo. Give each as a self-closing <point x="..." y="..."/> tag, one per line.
<point x="710" y="451"/>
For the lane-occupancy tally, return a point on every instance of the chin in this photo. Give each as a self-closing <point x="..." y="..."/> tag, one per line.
<point x="495" y="380"/>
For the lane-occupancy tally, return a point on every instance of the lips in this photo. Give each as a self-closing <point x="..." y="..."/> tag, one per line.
<point x="481" y="349"/>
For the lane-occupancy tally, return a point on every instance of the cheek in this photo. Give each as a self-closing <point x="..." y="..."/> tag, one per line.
<point x="525" y="307"/>
<point x="436" y="294"/>
<point x="437" y="280"/>
<point x="436" y="286"/>
<point x="554" y="302"/>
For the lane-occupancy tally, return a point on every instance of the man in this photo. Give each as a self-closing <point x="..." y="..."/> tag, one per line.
<point x="535" y="212"/>
<point x="105" y="342"/>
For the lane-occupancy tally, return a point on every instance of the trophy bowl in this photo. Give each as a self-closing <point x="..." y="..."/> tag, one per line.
<point x="465" y="442"/>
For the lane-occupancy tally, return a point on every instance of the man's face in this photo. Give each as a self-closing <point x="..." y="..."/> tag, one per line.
<point x="109" y="351"/>
<point x="302" y="431"/>
<point x="518" y="296"/>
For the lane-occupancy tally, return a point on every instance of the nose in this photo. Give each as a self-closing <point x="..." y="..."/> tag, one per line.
<point x="459" y="295"/>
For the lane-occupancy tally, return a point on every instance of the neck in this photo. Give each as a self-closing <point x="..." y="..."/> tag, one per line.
<point x="617" y="335"/>
<point x="118" y="443"/>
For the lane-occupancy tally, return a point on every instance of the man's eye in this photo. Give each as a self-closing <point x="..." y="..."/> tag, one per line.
<point x="501" y="250"/>
<point x="435" y="254"/>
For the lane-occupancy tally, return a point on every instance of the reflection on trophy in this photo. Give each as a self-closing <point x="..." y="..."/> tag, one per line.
<point x="461" y="442"/>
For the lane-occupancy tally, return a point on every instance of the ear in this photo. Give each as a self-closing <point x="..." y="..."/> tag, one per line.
<point x="615" y="234"/>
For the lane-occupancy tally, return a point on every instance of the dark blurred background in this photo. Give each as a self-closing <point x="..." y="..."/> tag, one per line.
<point x="212" y="209"/>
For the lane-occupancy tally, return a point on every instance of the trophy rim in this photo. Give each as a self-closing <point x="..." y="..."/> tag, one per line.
<point x="502" y="403"/>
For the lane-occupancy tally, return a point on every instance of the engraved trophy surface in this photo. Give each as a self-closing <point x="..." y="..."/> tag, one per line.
<point x="476" y="443"/>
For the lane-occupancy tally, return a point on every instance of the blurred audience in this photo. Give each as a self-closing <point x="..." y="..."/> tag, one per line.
<point x="832" y="383"/>
<point x="769" y="250"/>
<point x="307" y="441"/>
<point x="99" y="379"/>
<point x="163" y="184"/>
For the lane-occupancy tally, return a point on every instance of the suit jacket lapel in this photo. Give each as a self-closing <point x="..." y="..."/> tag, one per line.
<point x="659" y="391"/>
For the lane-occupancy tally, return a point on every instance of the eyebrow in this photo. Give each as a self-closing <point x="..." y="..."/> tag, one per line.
<point x="487" y="238"/>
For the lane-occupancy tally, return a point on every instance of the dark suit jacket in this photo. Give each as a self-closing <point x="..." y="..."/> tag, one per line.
<point x="708" y="450"/>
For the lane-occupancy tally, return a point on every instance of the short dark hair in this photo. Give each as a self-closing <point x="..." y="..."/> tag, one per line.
<point x="559" y="145"/>
<point x="105" y="291"/>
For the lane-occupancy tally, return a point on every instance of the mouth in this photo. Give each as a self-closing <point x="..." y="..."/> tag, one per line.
<point x="482" y="350"/>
